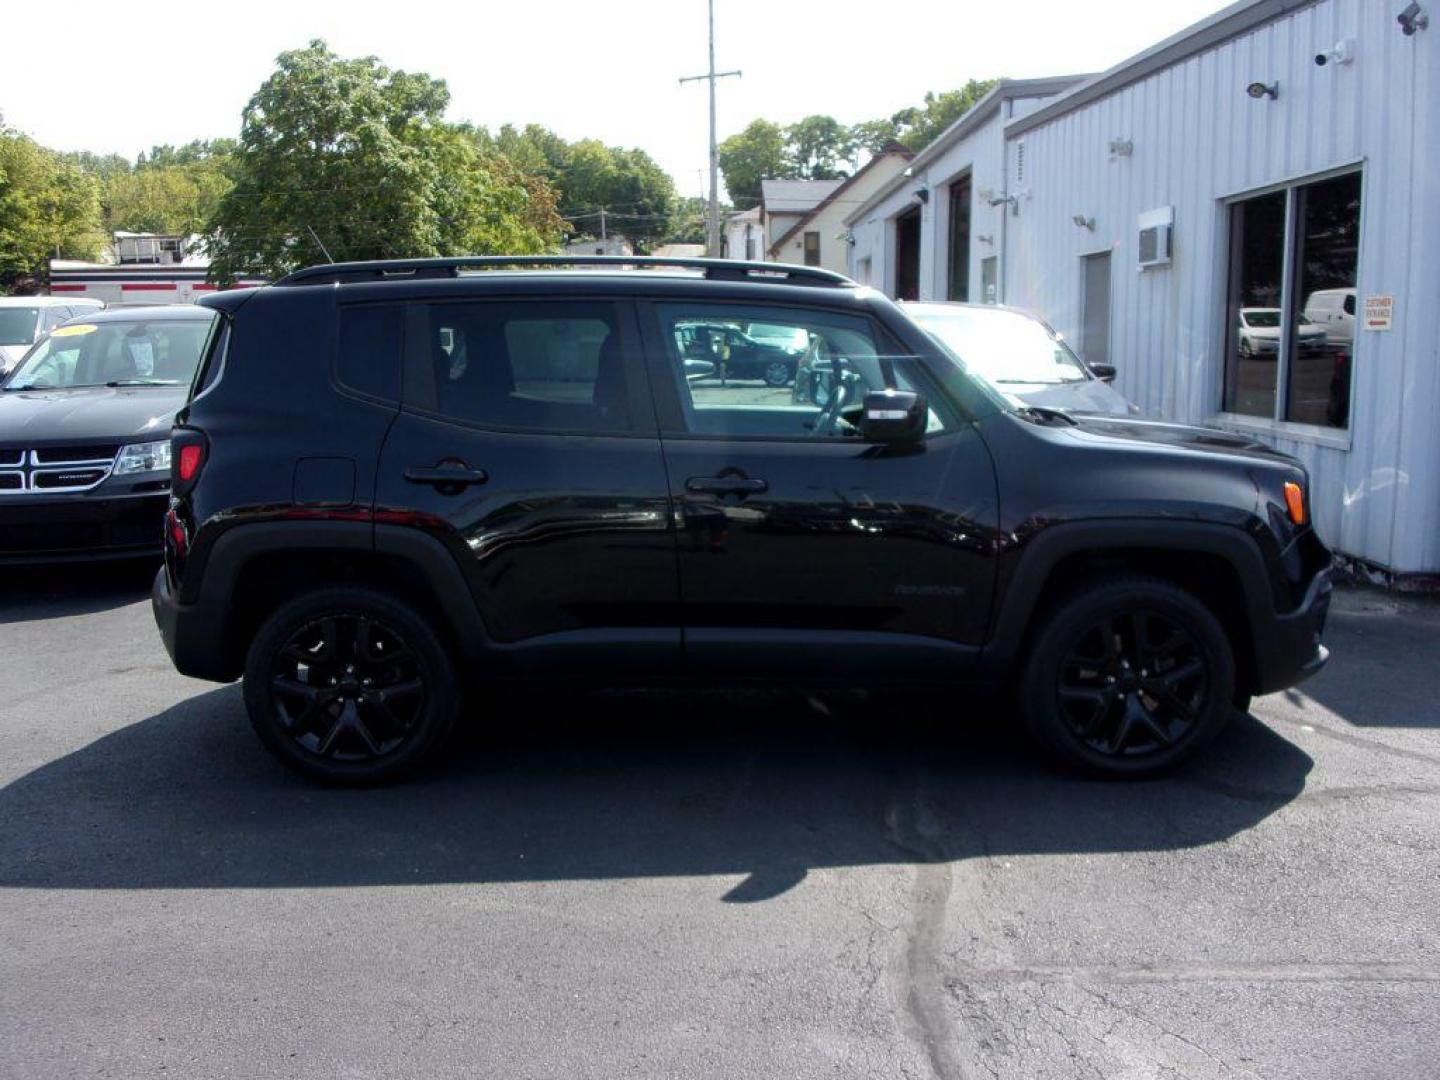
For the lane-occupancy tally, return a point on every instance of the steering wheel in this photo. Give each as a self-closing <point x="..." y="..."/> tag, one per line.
<point x="830" y="414"/>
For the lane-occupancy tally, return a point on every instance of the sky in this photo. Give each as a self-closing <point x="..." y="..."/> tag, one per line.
<point x="120" y="78"/>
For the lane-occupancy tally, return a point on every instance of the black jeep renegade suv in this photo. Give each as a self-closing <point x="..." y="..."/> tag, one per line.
<point x="396" y="483"/>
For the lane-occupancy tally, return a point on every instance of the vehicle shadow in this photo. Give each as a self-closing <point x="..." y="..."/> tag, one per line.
<point x="610" y="786"/>
<point x="49" y="592"/>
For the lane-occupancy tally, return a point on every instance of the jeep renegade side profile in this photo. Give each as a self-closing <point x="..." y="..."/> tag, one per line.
<point x="398" y="483"/>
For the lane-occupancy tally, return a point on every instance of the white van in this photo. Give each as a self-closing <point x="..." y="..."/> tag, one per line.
<point x="1333" y="309"/>
<point x="24" y="320"/>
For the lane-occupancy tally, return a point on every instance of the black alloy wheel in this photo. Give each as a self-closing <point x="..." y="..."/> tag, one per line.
<point x="1133" y="684"/>
<point x="349" y="685"/>
<point x="1128" y="676"/>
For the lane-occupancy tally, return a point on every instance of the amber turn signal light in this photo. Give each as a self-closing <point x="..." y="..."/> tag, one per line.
<point x="1295" y="502"/>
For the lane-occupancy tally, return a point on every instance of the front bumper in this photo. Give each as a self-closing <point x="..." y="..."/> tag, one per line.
<point x="81" y="528"/>
<point x="1287" y="648"/>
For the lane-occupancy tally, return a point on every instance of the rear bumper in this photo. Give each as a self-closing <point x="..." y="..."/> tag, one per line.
<point x="1287" y="647"/>
<point x="81" y="528"/>
<point x="193" y="633"/>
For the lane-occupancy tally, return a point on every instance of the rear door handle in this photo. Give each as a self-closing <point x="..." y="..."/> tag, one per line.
<point x="445" y="476"/>
<point x="725" y="485"/>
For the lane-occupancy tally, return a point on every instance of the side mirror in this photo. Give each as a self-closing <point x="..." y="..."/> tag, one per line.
<point x="895" y="417"/>
<point x="1104" y="372"/>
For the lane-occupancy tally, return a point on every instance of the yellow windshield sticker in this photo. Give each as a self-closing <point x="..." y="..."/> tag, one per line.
<point x="74" y="331"/>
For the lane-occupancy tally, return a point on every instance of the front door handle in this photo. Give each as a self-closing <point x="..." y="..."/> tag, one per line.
<point x="725" y="485"/>
<point x="446" y="477"/>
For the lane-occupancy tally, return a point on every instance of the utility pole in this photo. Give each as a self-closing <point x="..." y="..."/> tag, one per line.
<point x="602" y="224"/>
<point x="712" y="231"/>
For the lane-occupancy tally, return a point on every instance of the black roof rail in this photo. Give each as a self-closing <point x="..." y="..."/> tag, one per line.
<point x="411" y="269"/>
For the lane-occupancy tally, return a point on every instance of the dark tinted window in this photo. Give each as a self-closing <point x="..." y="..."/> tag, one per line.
<point x="370" y="347"/>
<point x="525" y="366"/>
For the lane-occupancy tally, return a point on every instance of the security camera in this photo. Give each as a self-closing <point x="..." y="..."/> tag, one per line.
<point x="1411" y="19"/>
<point x="1341" y="53"/>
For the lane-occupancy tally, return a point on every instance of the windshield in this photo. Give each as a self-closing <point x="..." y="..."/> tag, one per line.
<point x="17" y="325"/>
<point x="1261" y="316"/>
<point x="793" y="336"/>
<point x="1002" y="347"/>
<point x="130" y="353"/>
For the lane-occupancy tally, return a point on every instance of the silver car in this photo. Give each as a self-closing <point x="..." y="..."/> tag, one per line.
<point x="1021" y="357"/>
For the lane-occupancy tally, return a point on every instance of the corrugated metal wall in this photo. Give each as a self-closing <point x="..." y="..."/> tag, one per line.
<point x="1199" y="138"/>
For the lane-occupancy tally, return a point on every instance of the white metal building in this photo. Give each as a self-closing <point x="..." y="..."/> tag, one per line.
<point x="918" y="236"/>
<point x="1252" y="237"/>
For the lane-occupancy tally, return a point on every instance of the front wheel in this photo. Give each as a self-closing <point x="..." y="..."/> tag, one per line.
<point x="777" y="373"/>
<point x="349" y="685"/>
<point x="1127" y="677"/>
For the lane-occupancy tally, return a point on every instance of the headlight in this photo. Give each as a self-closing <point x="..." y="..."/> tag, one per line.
<point x="144" y="457"/>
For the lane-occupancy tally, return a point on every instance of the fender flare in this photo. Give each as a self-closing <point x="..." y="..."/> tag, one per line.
<point x="238" y="546"/>
<point x="1017" y="605"/>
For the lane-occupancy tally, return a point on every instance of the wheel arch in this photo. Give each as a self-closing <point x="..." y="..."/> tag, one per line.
<point x="1218" y="564"/>
<point x="254" y="568"/>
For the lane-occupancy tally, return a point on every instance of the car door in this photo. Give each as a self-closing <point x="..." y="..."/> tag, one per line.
<point x="803" y="549"/>
<point x="527" y="441"/>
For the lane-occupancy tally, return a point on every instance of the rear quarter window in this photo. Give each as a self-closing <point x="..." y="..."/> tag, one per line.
<point x="368" y="353"/>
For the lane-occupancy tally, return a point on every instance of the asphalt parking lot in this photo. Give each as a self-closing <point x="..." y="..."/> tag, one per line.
<point x="709" y="885"/>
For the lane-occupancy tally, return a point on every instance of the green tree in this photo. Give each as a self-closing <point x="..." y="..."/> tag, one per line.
<point x="49" y="207"/>
<point x="360" y="155"/>
<point x="755" y="154"/>
<point x="687" y="220"/>
<point x="166" y="199"/>
<point x="213" y="151"/>
<point x="918" y="126"/>
<point x="819" y="148"/>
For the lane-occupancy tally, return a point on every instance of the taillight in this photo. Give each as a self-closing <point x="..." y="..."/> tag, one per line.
<point x="187" y="458"/>
<point x="190" y="458"/>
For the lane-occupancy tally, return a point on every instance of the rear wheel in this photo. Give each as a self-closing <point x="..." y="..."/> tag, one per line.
<point x="1127" y="677"/>
<point x="777" y="373"/>
<point x="350" y="685"/>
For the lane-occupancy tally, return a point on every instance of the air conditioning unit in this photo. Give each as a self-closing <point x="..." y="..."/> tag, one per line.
<point x="1156" y="232"/>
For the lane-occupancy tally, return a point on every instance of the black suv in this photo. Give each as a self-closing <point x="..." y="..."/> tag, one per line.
<point x="398" y="483"/>
<point x="85" y="434"/>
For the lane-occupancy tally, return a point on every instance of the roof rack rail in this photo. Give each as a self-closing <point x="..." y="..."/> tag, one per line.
<point x="411" y="269"/>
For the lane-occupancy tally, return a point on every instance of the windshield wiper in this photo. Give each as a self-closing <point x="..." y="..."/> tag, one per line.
<point x="143" y="382"/>
<point x="1046" y="414"/>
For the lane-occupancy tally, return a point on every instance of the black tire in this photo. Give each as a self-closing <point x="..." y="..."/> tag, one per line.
<point x="350" y="685"/>
<point x="777" y="373"/>
<point x="1127" y="677"/>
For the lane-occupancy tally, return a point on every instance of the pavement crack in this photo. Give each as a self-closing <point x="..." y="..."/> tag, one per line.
<point x="917" y="981"/>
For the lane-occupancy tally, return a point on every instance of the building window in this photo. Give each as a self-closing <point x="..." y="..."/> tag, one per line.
<point x="1290" y="326"/>
<point x="958" y="287"/>
<point x="812" y="249"/>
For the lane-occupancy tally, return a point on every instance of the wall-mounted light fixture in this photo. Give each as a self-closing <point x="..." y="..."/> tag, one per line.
<point x="1411" y="19"/>
<point x="996" y="198"/>
<point x="1258" y="90"/>
<point x="986" y="239"/>
<point x="1084" y="222"/>
<point x="1121" y="148"/>
<point x="922" y="195"/>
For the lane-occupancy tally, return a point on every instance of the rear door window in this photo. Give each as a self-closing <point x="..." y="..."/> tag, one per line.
<point x="523" y="366"/>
